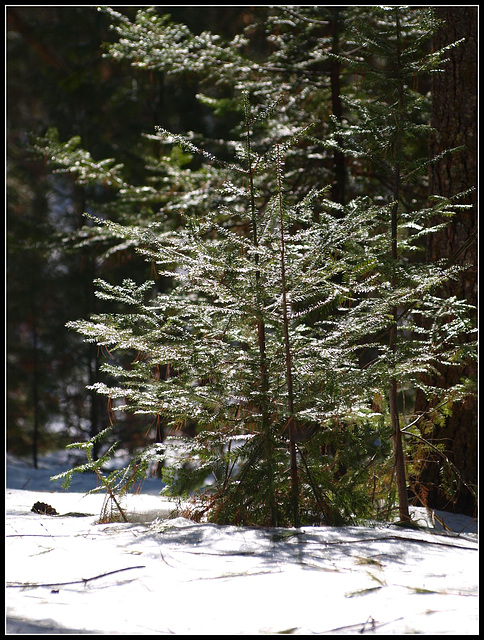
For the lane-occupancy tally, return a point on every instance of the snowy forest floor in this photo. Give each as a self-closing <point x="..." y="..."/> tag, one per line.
<point x="161" y="574"/>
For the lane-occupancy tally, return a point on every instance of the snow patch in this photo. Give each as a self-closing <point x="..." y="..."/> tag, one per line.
<point x="162" y="575"/>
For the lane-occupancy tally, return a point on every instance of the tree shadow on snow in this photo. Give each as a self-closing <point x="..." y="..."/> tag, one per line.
<point x="309" y="548"/>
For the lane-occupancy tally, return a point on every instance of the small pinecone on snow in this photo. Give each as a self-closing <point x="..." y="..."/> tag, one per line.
<point x="44" y="509"/>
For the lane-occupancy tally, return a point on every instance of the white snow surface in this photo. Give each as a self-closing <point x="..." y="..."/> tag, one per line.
<point x="161" y="574"/>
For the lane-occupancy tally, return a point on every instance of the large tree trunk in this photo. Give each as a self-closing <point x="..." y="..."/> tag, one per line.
<point x="454" y="117"/>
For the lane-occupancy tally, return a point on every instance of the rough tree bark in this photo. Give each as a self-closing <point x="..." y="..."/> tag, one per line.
<point x="454" y="117"/>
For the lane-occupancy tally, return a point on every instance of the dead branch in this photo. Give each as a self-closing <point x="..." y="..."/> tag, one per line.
<point x="62" y="584"/>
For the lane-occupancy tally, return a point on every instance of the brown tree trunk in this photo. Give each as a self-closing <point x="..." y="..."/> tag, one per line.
<point x="454" y="118"/>
<point x="398" y="455"/>
<point x="338" y="189"/>
<point x="287" y="348"/>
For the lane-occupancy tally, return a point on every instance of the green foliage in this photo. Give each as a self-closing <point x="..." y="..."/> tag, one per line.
<point x="222" y="328"/>
<point x="118" y="482"/>
<point x="285" y="311"/>
<point x="68" y="157"/>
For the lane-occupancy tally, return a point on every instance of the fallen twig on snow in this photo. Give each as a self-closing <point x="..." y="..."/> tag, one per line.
<point x="402" y="538"/>
<point x="62" y="584"/>
<point x="368" y="625"/>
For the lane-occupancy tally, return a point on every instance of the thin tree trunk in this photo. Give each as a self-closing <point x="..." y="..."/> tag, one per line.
<point x="261" y="334"/>
<point x="338" y="190"/>
<point x="35" y="392"/>
<point x="291" y="426"/>
<point x="88" y="271"/>
<point x="398" y="455"/>
<point x="396" y="433"/>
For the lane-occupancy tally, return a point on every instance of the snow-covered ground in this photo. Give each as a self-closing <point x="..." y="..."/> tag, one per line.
<point x="162" y="574"/>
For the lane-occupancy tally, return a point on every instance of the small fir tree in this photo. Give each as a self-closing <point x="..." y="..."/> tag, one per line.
<point x="244" y="363"/>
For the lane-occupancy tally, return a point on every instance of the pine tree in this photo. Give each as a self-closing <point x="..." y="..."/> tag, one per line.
<point x="389" y="128"/>
<point x="274" y="293"/>
<point x="244" y="362"/>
